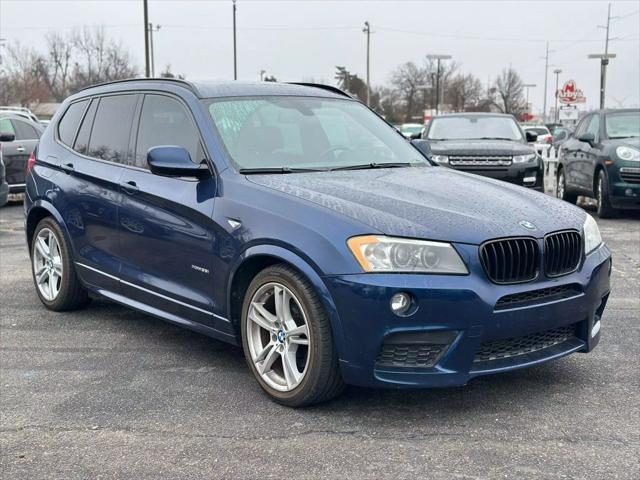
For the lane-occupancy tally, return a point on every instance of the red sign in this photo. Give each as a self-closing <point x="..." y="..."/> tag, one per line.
<point x="570" y="93"/>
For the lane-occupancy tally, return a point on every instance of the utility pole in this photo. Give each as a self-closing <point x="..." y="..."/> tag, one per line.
<point x="546" y="75"/>
<point x="235" y="52"/>
<point x="153" y="61"/>
<point x="262" y="72"/>
<point x="604" y="58"/>
<point x="557" y="71"/>
<point x="146" y="38"/>
<point x="527" y="86"/>
<point x="437" y="58"/>
<point x="367" y="31"/>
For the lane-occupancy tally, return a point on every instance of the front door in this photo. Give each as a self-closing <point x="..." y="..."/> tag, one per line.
<point x="167" y="236"/>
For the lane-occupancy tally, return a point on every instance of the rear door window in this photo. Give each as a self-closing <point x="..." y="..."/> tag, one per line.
<point x="165" y="121"/>
<point x="82" y="140"/>
<point x="24" y="131"/>
<point x="68" y="125"/>
<point x="6" y="126"/>
<point x="112" y="127"/>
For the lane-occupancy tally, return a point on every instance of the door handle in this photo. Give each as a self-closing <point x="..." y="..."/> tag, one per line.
<point x="20" y="149"/>
<point x="67" y="167"/>
<point x="130" y="187"/>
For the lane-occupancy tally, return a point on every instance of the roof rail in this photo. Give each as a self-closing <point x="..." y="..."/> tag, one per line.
<point x="179" y="81"/>
<point x="329" y="88"/>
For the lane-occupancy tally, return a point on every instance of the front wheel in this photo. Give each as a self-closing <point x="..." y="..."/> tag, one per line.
<point x="54" y="275"/>
<point x="605" y="210"/>
<point x="287" y="339"/>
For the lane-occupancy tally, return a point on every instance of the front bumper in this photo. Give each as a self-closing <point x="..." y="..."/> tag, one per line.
<point x="460" y="312"/>
<point x="530" y="175"/>
<point x="625" y="186"/>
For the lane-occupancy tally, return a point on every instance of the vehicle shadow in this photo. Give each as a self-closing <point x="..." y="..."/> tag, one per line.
<point x="514" y="391"/>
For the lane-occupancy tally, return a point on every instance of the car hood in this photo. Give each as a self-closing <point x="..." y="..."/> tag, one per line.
<point x="479" y="147"/>
<point x="631" y="142"/>
<point x="429" y="202"/>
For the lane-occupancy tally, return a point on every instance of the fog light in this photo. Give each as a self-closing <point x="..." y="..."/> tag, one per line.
<point x="595" y="329"/>
<point x="401" y="303"/>
<point x="529" y="179"/>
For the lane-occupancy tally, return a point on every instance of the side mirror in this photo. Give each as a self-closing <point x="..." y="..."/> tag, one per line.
<point x="7" y="137"/>
<point x="416" y="135"/>
<point x="531" y="136"/>
<point x="171" y="161"/>
<point x="422" y="145"/>
<point x="587" y="137"/>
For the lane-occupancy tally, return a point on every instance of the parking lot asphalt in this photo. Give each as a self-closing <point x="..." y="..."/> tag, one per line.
<point x="107" y="392"/>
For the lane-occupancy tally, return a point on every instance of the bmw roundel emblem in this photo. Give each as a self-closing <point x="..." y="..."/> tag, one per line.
<point x="527" y="225"/>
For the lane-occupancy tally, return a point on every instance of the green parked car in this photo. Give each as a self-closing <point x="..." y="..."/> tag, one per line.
<point x="602" y="160"/>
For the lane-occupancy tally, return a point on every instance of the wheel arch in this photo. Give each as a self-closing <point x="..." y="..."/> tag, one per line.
<point x="596" y="174"/>
<point x="257" y="258"/>
<point x="41" y="209"/>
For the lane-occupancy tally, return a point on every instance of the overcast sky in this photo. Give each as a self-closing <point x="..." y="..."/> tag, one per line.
<point x="300" y="39"/>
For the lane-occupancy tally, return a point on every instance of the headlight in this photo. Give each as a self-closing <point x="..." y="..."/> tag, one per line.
<point x="440" y="158"/>
<point x="628" y="153"/>
<point x="523" y="158"/>
<point x="592" y="238"/>
<point x="387" y="254"/>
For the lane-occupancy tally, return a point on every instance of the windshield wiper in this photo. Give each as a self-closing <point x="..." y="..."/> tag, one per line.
<point x="624" y="136"/>
<point x="491" y="138"/>
<point x="258" y="170"/>
<point x="364" y="166"/>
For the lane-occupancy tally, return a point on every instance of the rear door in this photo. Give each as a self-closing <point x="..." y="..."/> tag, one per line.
<point x="10" y="155"/>
<point x="167" y="236"/>
<point x="89" y="181"/>
<point x="27" y="137"/>
<point x="590" y="155"/>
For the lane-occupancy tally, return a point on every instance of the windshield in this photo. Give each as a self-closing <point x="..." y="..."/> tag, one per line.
<point x="623" y="125"/>
<point x="474" y="128"/>
<point x="411" y="129"/>
<point x="296" y="133"/>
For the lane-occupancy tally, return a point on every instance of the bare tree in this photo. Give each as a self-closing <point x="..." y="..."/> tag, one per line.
<point x="509" y="92"/>
<point x="22" y="83"/>
<point x="463" y="91"/>
<point x="55" y="68"/>
<point x="409" y="80"/>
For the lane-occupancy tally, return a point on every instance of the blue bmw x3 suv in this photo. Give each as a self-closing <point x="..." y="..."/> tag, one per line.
<point x="291" y="220"/>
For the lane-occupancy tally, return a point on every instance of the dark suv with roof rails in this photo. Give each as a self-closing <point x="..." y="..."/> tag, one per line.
<point x="488" y="144"/>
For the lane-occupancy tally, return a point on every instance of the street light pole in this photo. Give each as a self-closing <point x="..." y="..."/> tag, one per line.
<point x="604" y="59"/>
<point x="235" y="53"/>
<point x="437" y="58"/>
<point x="146" y="38"/>
<point x="153" y="61"/>
<point x="546" y="75"/>
<point x="557" y="71"/>
<point x="367" y="30"/>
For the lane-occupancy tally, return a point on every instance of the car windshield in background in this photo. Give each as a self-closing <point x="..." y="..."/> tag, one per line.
<point x="474" y="128"/>
<point x="623" y="125"/>
<point x="285" y="134"/>
<point x="411" y="129"/>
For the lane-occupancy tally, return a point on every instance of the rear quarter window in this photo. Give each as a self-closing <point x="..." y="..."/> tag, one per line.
<point x="68" y="125"/>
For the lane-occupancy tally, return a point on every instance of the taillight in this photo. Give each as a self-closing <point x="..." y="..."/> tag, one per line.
<point x="550" y="139"/>
<point x="30" y="163"/>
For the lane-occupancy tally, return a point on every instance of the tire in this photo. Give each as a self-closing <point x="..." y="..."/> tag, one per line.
<point x="321" y="379"/>
<point x="70" y="294"/>
<point x="561" y="188"/>
<point x="605" y="210"/>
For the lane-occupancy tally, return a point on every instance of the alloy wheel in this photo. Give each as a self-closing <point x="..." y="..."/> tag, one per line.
<point x="278" y="336"/>
<point x="47" y="264"/>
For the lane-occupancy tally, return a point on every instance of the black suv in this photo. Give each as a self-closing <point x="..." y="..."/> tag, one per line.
<point x="602" y="160"/>
<point x="19" y="137"/>
<point x="488" y="144"/>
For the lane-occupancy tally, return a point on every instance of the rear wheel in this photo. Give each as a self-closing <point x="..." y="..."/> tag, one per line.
<point x="605" y="210"/>
<point x="54" y="275"/>
<point x="287" y="339"/>
<point x="561" y="188"/>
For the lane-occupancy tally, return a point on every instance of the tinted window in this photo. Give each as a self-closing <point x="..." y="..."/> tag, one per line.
<point x="111" y="128"/>
<point x="165" y="121"/>
<point x="24" y="131"/>
<point x="69" y="124"/>
<point x="6" y="127"/>
<point x="623" y="125"/>
<point x="82" y="140"/>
